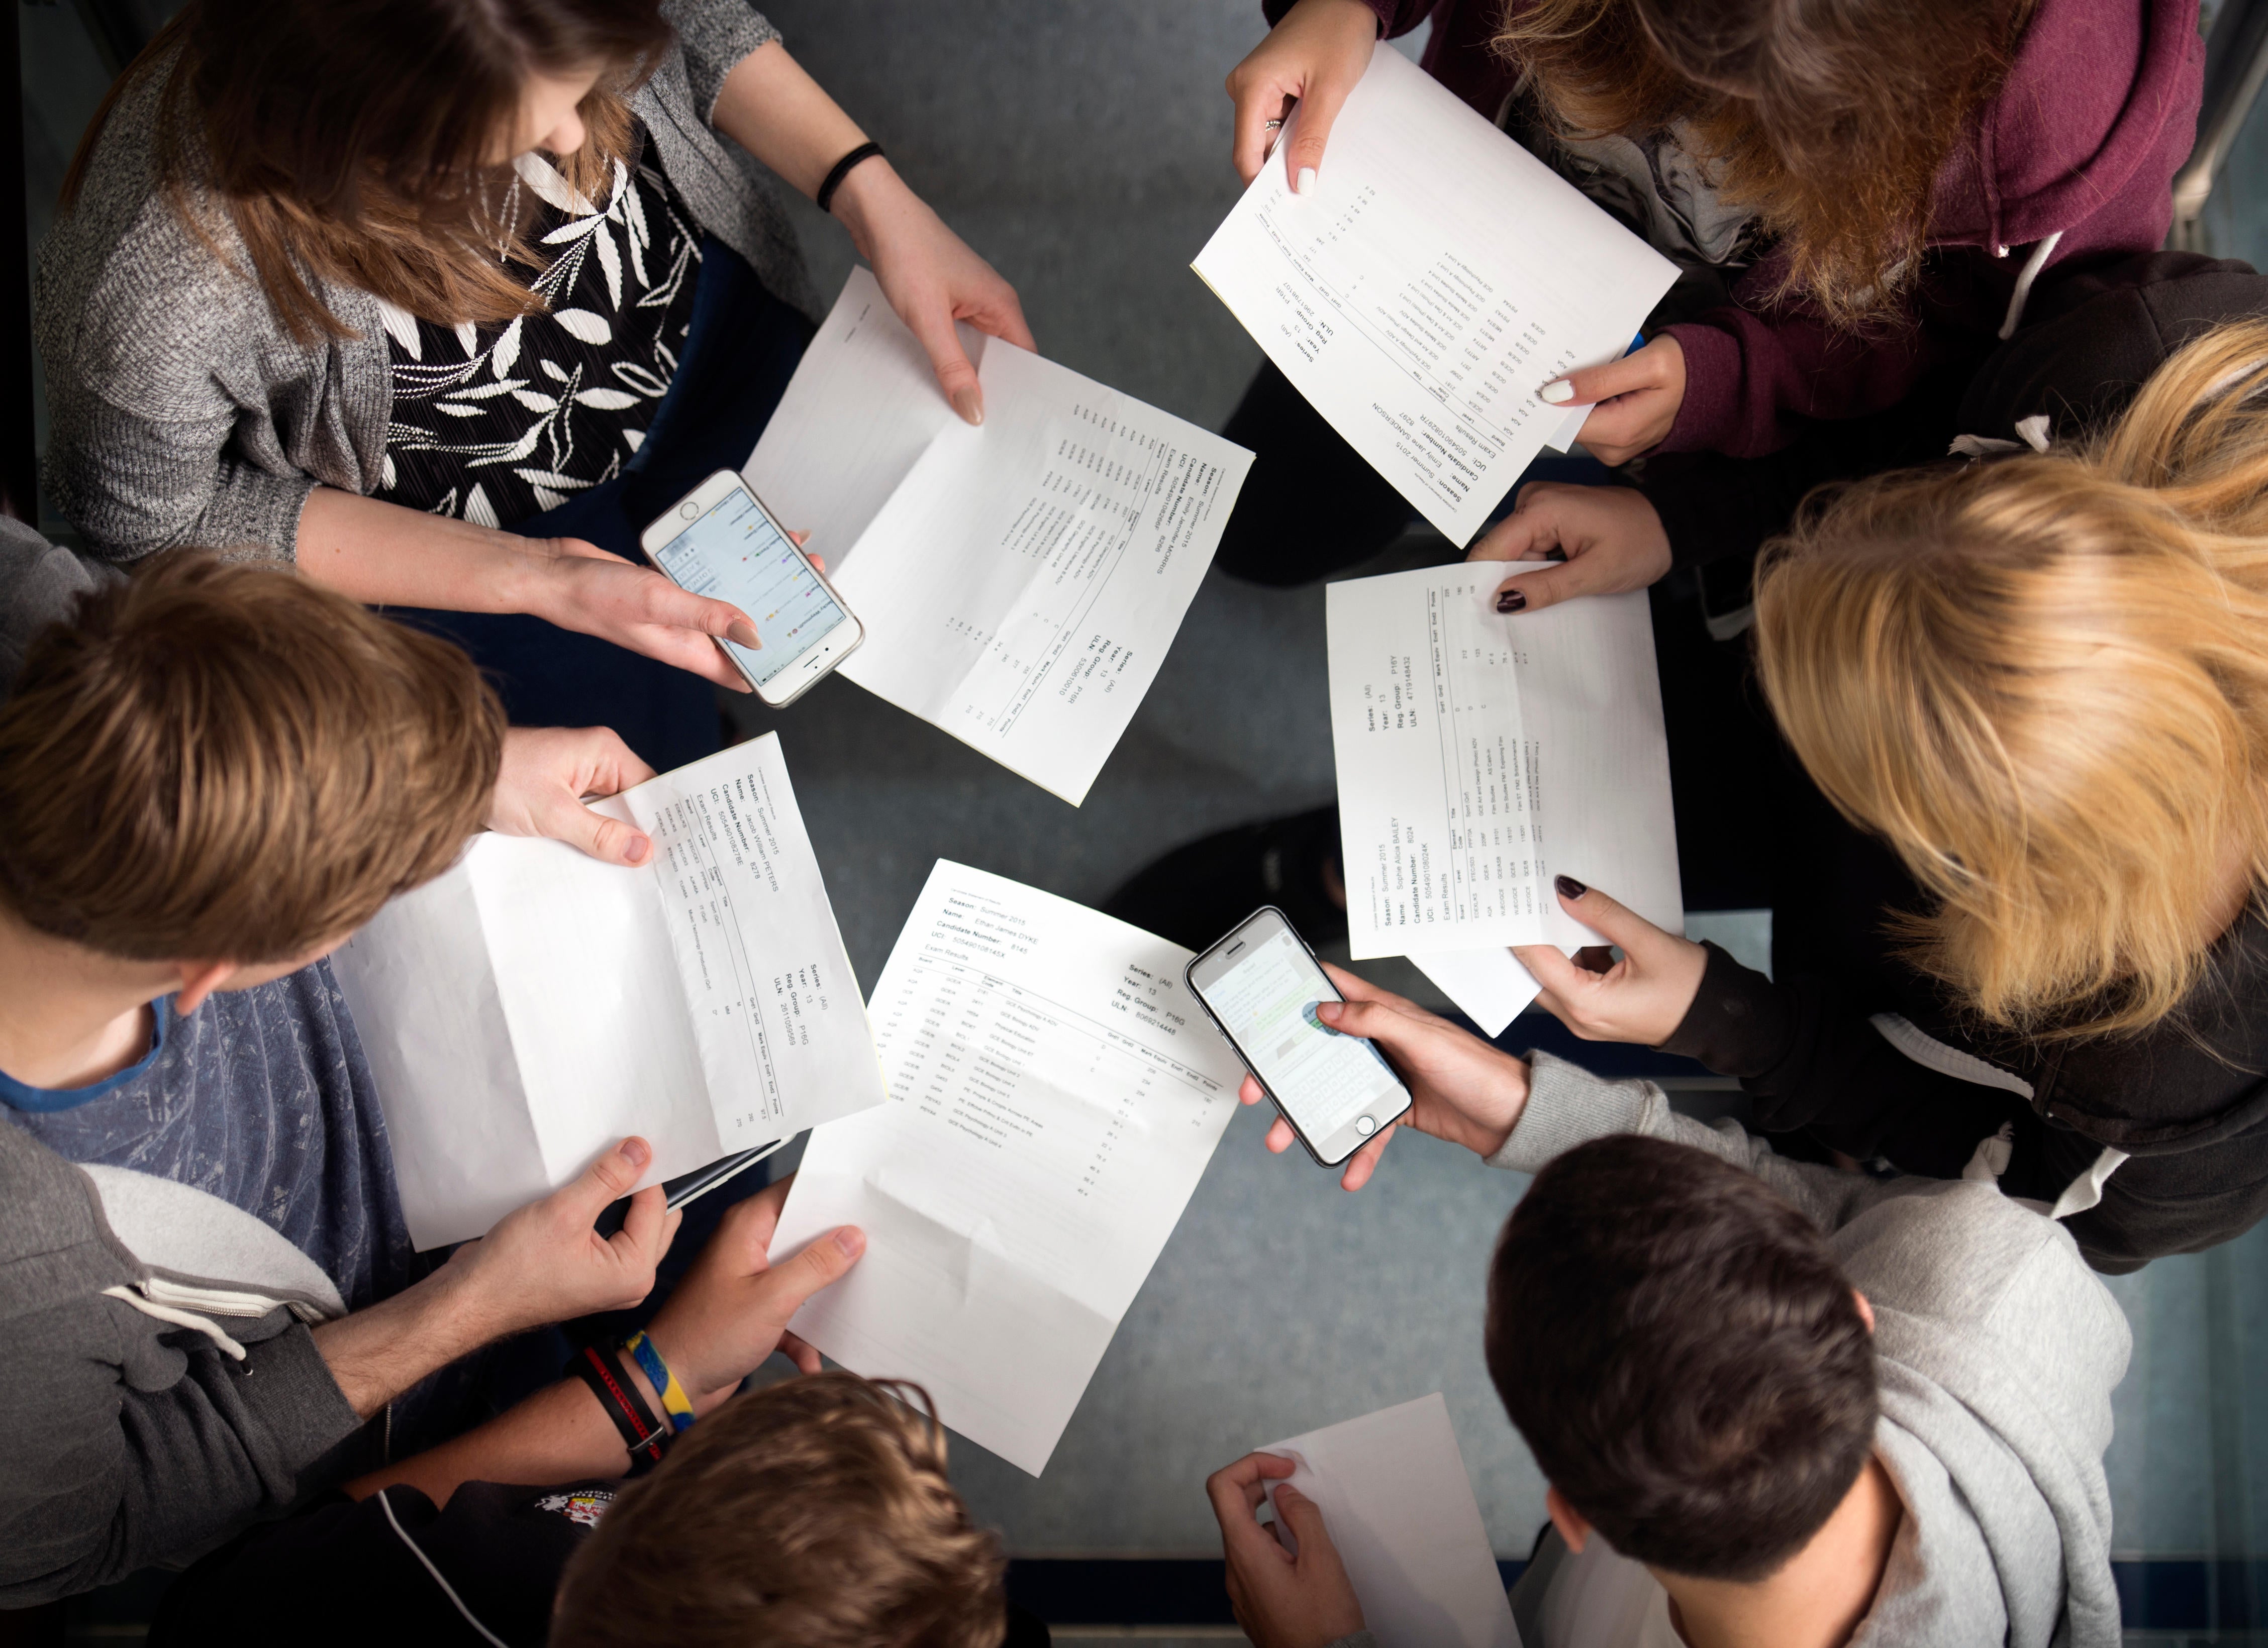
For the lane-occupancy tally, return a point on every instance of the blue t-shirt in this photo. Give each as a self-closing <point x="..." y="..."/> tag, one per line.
<point x="263" y="1098"/>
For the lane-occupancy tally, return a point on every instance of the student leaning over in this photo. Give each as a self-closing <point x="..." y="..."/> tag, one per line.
<point x="1776" y="1402"/>
<point x="209" y="775"/>
<point x="2036" y="685"/>
<point x="444" y="302"/>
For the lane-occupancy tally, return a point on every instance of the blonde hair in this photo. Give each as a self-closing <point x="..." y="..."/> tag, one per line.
<point x="815" y="1513"/>
<point x="2043" y="680"/>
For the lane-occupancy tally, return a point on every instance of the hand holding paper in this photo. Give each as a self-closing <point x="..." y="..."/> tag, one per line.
<point x="1293" y="1590"/>
<point x="1642" y="998"/>
<point x="1391" y="1492"/>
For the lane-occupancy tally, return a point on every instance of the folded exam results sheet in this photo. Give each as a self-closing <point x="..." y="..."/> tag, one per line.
<point x="1399" y="1507"/>
<point x="1054" y="1097"/>
<point x="1019" y="581"/>
<point x="1481" y="754"/>
<point x="532" y="1006"/>
<point x="1438" y="275"/>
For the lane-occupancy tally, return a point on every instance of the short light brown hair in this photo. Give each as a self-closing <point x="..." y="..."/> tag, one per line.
<point x="814" y="1513"/>
<point x="223" y="762"/>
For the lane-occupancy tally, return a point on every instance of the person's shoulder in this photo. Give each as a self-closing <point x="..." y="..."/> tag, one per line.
<point x="51" y="1239"/>
<point x="1953" y="1248"/>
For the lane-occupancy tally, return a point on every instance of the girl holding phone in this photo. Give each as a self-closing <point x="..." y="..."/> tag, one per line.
<point x="440" y="302"/>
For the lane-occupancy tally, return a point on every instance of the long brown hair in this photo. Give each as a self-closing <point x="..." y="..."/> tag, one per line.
<point x="1827" y="119"/>
<point x="353" y="140"/>
<point x="2043" y="681"/>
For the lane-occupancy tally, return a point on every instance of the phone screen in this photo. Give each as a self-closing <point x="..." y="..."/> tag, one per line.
<point x="1267" y="1002"/>
<point x="735" y="554"/>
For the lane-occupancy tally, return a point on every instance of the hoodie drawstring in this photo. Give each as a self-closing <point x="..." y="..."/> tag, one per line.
<point x="2025" y="277"/>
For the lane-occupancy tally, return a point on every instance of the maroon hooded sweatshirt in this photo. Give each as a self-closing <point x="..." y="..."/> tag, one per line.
<point x="2082" y="142"/>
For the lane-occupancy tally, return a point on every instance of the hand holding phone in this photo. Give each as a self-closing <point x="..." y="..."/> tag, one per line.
<point x="720" y="540"/>
<point x="1462" y="1089"/>
<point x="1263" y="988"/>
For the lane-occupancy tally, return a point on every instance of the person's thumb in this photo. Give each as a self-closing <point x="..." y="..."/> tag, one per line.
<point x="608" y="840"/>
<point x="1616" y="923"/>
<point x="825" y="1261"/>
<point x="1305" y="1518"/>
<point x="1591" y="384"/>
<point x="933" y="326"/>
<point x="1548" y="586"/>
<point x="1521" y="535"/>
<point x="609" y="1179"/>
<point x="1320" y="102"/>
<point x="1551" y="968"/>
<point x="1373" y="1021"/>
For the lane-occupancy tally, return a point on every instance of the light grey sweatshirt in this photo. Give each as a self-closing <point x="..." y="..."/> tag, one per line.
<point x="1998" y="1349"/>
<point x="185" y="413"/>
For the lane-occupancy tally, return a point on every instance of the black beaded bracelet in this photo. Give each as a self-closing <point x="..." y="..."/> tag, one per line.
<point x="826" y="195"/>
<point x="645" y="1436"/>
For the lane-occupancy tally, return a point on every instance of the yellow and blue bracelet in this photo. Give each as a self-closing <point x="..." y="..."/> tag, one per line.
<point x="674" y="1403"/>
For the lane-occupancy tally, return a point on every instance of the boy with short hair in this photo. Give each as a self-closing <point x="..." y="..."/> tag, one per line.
<point x="209" y="775"/>
<point x="1776" y="1402"/>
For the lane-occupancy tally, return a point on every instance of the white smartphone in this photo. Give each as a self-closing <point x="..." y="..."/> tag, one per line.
<point x="1261" y="986"/>
<point x="720" y="540"/>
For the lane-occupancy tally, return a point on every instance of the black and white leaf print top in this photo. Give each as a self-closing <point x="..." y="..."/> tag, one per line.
<point x="496" y="424"/>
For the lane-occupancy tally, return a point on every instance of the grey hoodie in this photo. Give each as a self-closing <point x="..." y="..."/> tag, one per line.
<point x="1999" y="1351"/>
<point x="159" y="1387"/>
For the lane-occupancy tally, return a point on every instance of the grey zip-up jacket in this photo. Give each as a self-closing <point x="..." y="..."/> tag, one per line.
<point x="1998" y="1349"/>
<point x="183" y="412"/>
<point x="159" y="1384"/>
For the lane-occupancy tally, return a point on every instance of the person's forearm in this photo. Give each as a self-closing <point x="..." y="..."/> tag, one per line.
<point x="386" y="554"/>
<point x="780" y="114"/>
<point x="557" y="1435"/>
<point x="376" y="1354"/>
<point x="785" y="118"/>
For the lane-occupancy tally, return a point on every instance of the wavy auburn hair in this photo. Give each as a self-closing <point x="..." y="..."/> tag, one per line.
<point x="1827" y="119"/>
<point x="354" y="140"/>
<point x="2044" y="681"/>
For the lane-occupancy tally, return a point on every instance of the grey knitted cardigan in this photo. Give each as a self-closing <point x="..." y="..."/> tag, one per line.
<point x="183" y="413"/>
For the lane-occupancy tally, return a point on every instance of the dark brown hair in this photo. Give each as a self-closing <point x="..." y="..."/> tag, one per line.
<point x="1683" y="1355"/>
<point x="1827" y="119"/>
<point x="814" y="1513"/>
<point x="353" y="140"/>
<point x="223" y="762"/>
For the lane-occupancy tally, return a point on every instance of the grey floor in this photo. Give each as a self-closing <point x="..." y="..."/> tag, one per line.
<point x="1083" y="149"/>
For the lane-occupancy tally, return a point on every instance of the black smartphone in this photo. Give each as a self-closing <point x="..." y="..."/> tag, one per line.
<point x="1261" y="986"/>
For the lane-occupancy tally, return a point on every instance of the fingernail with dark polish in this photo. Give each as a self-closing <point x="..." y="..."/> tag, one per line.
<point x="1511" y="600"/>
<point x="1569" y="887"/>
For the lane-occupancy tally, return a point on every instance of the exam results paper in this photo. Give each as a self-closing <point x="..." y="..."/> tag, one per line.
<point x="532" y="1006"/>
<point x="1019" y="580"/>
<point x="1481" y="753"/>
<point x="1054" y="1097"/>
<point x="1438" y="276"/>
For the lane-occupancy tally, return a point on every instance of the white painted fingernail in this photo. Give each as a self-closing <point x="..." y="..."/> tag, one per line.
<point x="1558" y="392"/>
<point x="1307" y="184"/>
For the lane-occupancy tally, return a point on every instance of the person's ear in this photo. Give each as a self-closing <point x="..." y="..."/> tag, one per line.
<point x="1574" y="1526"/>
<point x="199" y="980"/>
<point x="1865" y="1310"/>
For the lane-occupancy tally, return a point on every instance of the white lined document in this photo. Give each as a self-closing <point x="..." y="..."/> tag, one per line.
<point x="532" y="1006"/>
<point x="1054" y="1097"/>
<point x="1438" y="276"/>
<point x="1480" y="755"/>
<point x="1400" y="1510"/>
<point x="1019" y="581"/>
